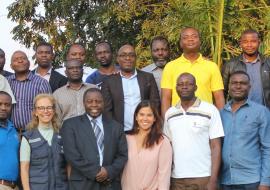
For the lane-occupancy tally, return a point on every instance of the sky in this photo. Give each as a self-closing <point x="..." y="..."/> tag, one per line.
<point x="6" y="42"/>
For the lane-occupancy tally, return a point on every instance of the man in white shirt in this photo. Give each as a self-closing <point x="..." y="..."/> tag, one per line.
<point x="194" y="128"/>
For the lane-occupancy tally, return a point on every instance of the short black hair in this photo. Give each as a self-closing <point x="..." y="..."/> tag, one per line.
<point x="5" y="93"/>
<point x="189" y="27"/>
<point x="74" y="44"/>
<point x="187" y="74"/>
<point x="91" y="90"/>
<point x="160" y="38"/>
<point x="43" y="43"/>
<point x="239" y="73"/>
<point x="250" y="31"/>
<point x="104" y="42"/>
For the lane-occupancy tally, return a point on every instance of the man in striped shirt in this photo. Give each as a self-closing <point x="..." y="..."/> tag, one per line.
<point x="25" y="86"/>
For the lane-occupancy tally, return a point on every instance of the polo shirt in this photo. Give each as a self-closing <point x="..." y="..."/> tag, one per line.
<point x="9" y="149"/>
<point x="189" y="132"/>
<point x="207" y="74"/>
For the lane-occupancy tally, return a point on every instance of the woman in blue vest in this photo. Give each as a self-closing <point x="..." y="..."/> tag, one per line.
<point x="43" y="166"/>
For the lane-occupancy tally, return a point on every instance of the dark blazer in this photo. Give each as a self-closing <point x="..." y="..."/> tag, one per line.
<point x="112" y="91"/>
<point x="56" y="80"/>
<point x="81" y="151"/>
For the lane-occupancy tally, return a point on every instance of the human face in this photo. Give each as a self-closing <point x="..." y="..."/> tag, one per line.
<point x="44" y="111"/>
<point x="126" y="58"/>
<point x="186" y="87"/>
<point x="160" y="53"/>
<point x="103" y="54"/>
<point x="2" y="60"/>
<point x="250" y="43"/>
<point x="74" y="71"/>
<point x="20" y="62"/>
<point x="145" y="119"/>
<point x="239" y="87"/>
<point x="44" y="56"/>
<point x="190" y="40"/>
<point x="5" y="107"/>
<point x="76" y="52"/>
<point x="93" y="103"/>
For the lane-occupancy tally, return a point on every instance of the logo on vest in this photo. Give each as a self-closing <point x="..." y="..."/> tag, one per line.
<point x="34" y="140"/>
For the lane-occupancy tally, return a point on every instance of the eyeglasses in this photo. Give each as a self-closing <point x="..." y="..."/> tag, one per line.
<point x="126" y="55"/>
<point x="43" y="108"/>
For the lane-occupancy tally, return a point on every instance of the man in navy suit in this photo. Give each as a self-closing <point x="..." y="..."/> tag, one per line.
<point x="94" y="146"/>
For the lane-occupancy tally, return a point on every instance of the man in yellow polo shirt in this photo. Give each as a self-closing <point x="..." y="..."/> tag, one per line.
<point x="207" y="73"/>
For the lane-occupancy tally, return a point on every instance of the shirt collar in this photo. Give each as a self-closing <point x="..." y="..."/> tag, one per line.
<point x="132" y="76"/>
<point x="199" y="59"/>
<point x="6" y="125"/>
<point x="98" y="119"/>
<point x="257" y="60"/>
<point x="68" y="85"/>
<point x="195" y="104"/>
<point x="30" y="76"/>
<point x="48" y="72"/>
<point x="228" y="106"/>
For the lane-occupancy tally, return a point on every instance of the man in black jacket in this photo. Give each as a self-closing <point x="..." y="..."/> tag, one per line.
<point x="44" y="58"/>
<point x="255" y="64"/>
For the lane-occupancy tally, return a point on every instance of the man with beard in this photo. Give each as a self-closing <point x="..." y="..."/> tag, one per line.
<point x="123" y="91"/>
<point x="2" y="64"/>
<point x="255" y="64"/>
<point x="44" y="58"/>
<point x="194" y="128"/>
<point x="103" y="54"/>
<point x="207" y="73"/>
<point x="246" y="144"/>
<point x="70" y="97"/>
<point x="160" y="54"/>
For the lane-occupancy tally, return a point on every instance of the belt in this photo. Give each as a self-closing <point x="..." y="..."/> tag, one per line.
<point x="11" y="184"/>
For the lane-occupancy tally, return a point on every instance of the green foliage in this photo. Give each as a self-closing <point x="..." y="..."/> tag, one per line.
<point x="138" y="21"/>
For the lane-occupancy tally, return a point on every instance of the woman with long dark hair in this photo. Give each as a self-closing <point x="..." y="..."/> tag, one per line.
<point x="42" y="160"/>
<point x="149" y="152"/>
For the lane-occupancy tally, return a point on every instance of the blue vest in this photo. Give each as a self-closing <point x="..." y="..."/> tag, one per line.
<point x="47" y="169"/>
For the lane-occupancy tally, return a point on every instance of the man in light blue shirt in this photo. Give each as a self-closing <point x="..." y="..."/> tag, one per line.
<point x="246" y="145"/>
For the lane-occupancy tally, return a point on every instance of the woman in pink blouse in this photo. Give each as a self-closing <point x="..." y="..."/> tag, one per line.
<point x="149" y="152"/>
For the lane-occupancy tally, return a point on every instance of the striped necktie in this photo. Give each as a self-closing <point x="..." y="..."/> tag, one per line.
<point x="98" y="134"/>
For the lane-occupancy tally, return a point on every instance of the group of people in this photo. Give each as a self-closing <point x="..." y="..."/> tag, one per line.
<point x="177" y="125"/>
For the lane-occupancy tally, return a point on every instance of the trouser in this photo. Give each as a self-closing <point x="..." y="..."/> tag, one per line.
<point x="199" y="183"/>
<point x="4" y="187"/>
<point x="251" y="186"/>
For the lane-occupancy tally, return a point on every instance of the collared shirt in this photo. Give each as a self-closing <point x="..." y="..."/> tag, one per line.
<point x="132" y="97"/>
<point x="46" y="76"/>
<point x="254" y="72"/>
<point x="100" y="125"/>
<point x="157" y="72"/>
<point x="9" y="146"/>
<point x="4" y="86"/>
<point x="70" y="101"/>
<point x="189" y="132"/>
<point x="246" y="145"/>
<point x="207" y="74"/>
<point x="25" y="91"/>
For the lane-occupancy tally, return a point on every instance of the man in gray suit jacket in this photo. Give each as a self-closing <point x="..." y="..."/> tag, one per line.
<point x="94" y="146"/>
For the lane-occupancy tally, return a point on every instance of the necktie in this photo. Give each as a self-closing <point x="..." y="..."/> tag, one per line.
<point x="98" y="134"/>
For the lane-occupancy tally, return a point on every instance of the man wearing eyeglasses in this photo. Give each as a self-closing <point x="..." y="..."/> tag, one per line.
<point x="70" y="97"/>
<point x="123" y="91"/>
